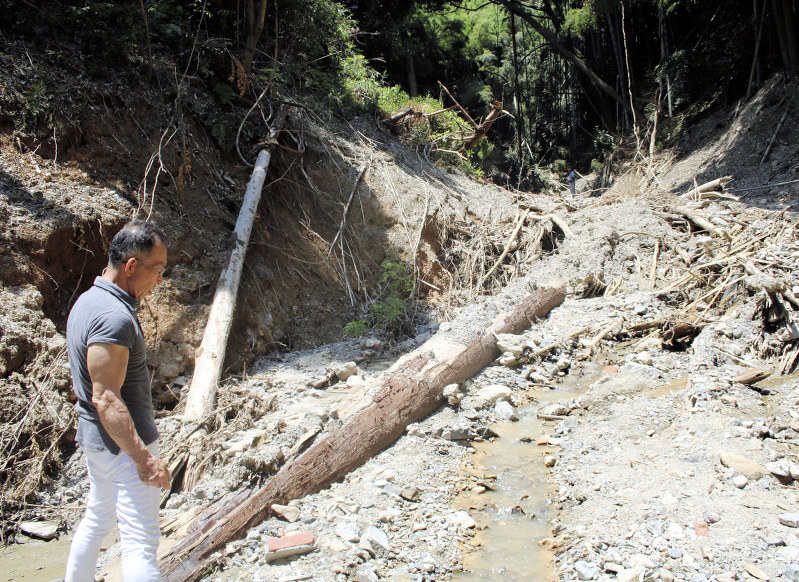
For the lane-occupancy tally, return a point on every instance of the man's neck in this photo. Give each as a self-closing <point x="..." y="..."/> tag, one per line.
<point x="116" y="277"/>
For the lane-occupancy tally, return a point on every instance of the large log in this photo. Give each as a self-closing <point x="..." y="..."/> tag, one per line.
<point x="412" y="390"/>
<point x="211" y="354"/>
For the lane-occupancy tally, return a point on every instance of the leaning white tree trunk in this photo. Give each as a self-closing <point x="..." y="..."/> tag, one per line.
<point x="211" y="355"/>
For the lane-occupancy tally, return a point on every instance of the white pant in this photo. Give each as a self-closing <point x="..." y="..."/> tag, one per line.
<point x="117" y="494"/>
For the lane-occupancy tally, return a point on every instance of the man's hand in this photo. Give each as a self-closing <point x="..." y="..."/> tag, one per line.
<point x="107" y="365"/>
<point x="153" y="471"/>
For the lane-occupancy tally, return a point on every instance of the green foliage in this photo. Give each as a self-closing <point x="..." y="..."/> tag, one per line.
<point x="581" y="20"/>
<point x="356" y="328"/>
<point x="389" y="311"/>
<point x="36" y="103"/>
<point x="596" y="165"/>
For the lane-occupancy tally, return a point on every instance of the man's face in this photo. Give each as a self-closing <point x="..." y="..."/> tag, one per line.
<point x="147" y="271"/>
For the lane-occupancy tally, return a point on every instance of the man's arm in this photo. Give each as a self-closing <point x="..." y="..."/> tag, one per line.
<point x="107" y="365"/>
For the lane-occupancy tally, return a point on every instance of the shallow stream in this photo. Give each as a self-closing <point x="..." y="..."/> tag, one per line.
<point x="512" y="519"/>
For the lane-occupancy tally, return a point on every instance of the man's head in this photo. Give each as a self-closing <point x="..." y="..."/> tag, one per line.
<point x="137" y="257"/>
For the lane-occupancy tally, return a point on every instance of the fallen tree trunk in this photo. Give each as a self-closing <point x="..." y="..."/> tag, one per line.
<point x="211" y="355"/>
<point x="412" y="390"/>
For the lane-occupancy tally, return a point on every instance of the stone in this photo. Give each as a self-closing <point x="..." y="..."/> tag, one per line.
<point x="366" y="575"/>
<point x="461" y="519"/>
<point x="791" y="572"/>
<point x="452" y="394"/>
<point x="348" y="531"/>
<point x="674" y="531"/>
<point x="740" y="481"/>
<point x="747" y="467"/>
<point x="665" y="575"/>
<point x="410" y="493"/>
<point x="506" y="411"/>
<point x="511" y="344"/>
<point x="376" y="537"/>
<point x="756" y="571"/>
<point x="550" y="461"/>
<point x="290" y="545"/>
<point x="508" y="360"/>
<point x="781" y="471"/>
<point x="629" y="575"/>
<point x="344" y="371"/>
<point x="586" y="570"/>
<point x="556" y="409"/>
<point x="43" y="530"/>
<point x="789" y="519"/>
<point x="287" y="512"/>
<point x="490" y="395"/>
<point x="457" y="433"/>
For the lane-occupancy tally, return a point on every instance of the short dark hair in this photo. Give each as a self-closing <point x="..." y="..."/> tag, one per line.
<point x="136" y="237"/>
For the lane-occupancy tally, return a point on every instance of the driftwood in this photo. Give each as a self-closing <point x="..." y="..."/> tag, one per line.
<point x="507" y="248"/>
<point x="211" y="354"/>
<point x="698" y="221"/>
<point x="412" y="390"/>
<point x="752" y="376"/>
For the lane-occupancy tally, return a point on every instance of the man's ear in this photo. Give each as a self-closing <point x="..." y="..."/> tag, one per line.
<point x="130" y="266"/>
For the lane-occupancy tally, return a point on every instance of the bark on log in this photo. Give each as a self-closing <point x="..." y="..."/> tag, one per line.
<point x="211" y="355"/>
<point x="412" y="391"/>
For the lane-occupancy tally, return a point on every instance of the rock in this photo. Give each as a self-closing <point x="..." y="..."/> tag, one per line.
<point x="410" y="493"/>
<point x="508" y="360"/>
<point x="344" y="371"/>
<point x="511" y="344"/>
<point x="665" y="575"/>
<point x="756" y="571"/>
<point x="452" y="393"/>
<point x="701" y="528"/>
<point x="781" y="471"/>
<point x="789" y="519"/>
<point x="740" y="481"/>
<point x="348" y="531"/>
<point x="490" y="395"/>
<point x="586" y="570"/>
<point x="556" y="409"/>
<point x="290" y="545"/>
<point x="674" y="531"/>
<point x="629" y="575"/>
<point x="376" y="537"/>
<point x="506" y="411"/>
<point x="457" y="433"/>
<point x="461" y="519"/>
<point x="744" y="466"/>
<point x="287" y="512"/>
<point x="44" y="530"/>
<point x="791" y="572"/>
<point x="366" y="575"/>
<point x="550" y="461"/>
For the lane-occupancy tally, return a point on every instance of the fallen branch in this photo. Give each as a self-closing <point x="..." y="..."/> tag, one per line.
<point x="211" y="354"/>
<point x="398" y="116"/>
<point x="346" y="209"/>
<point x="699" y="222"/>
<point x="506" y="250"/>
<point x="774" y="136"/>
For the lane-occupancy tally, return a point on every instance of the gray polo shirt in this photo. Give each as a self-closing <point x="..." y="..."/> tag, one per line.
<point x="106" y="314"/>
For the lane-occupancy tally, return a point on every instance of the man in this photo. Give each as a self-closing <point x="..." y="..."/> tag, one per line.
<point x="116" y="426"/>
<point x="572" y="182"/>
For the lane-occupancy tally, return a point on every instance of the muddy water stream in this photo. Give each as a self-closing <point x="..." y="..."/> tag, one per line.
<point x="512" y="519"/>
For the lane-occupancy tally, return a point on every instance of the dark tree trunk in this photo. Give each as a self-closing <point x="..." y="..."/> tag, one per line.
<point x="255" y="26"/>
